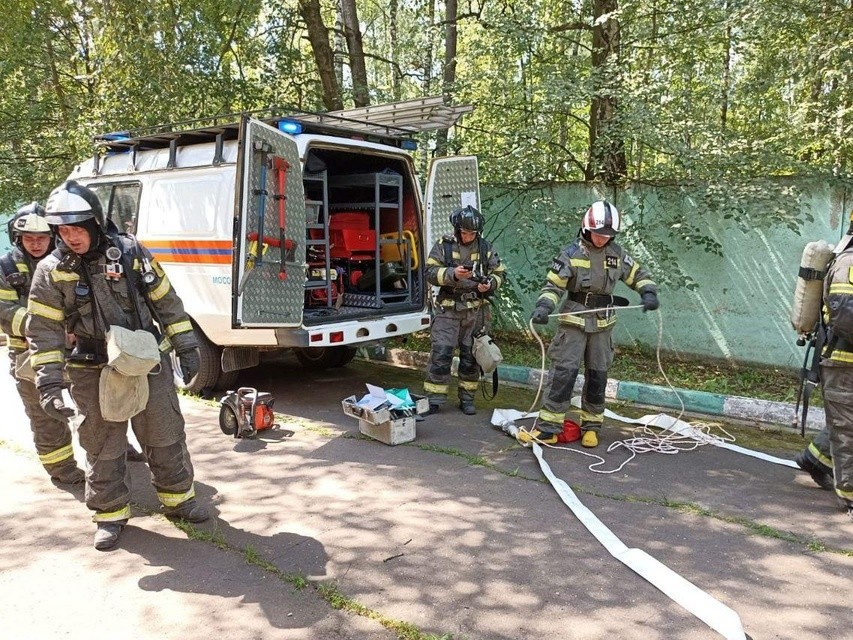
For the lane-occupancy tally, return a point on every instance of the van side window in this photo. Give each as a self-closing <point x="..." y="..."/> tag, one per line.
<point x="120" y="202"/>
<point x="124" y="206"/>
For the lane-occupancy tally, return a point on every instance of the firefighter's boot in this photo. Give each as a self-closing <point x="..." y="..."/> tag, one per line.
<point x="543" y="433"/>
<point x="189" y="510"/>
<point x="589" y="439"/>
<point x="107" y="534"/>
<point x="68" y="474"/>
<point x="466" y="403"/>
<point x="133" y="455"/>
<point x="824" y="479"/>
<point x="435" y="403"/>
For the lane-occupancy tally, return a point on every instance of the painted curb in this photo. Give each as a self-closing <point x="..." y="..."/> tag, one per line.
<point x="701" y="402"/>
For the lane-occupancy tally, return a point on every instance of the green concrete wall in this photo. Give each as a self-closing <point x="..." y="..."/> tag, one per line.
<point x="739" y="305"/>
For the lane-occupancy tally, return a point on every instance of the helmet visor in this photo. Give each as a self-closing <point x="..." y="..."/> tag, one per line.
<point x="68" y="218"/>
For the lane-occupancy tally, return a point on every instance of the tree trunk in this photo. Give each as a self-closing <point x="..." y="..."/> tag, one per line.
<point x="428" y="59"/>
<point x="727" y="68"/>
<point x="396" y="88"/>
<point x="449" y="75"/>
<point x="318" y="36"/>
<point x="352" y="31"/>
<point x="606" y="147"/>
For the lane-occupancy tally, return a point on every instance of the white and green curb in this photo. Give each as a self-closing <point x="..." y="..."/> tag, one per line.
<point x="699" y="402"/>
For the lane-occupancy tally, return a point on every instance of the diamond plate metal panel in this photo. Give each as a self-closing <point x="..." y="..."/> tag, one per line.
<point x="268" y="299"/>
<point x="452" y="183"/>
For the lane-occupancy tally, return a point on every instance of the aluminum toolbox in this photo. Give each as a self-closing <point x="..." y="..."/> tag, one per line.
<point x="386" y="425"/>
<point x="391" y="432"/>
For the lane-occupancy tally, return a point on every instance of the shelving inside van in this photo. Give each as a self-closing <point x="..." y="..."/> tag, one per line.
<point x="362" y="236"/>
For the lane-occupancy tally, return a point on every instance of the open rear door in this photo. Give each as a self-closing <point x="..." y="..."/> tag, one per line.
<point x="269" y="230"/>
<point x="453" y="182"/>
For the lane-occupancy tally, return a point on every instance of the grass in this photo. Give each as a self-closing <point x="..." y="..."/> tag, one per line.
<point x="639" y="364"/>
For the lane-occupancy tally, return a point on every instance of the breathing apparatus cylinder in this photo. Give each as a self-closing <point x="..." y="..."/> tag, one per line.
<point x="809" y="292"/>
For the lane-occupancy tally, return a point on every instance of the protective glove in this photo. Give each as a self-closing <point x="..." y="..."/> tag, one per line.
<point x="650" y="301"/>
<point x="540" y="315"/>
<point x="53" y="405"/>
<point x="190" y="363"/>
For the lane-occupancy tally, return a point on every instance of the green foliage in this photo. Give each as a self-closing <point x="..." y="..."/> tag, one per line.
<point x="715" y="102"/>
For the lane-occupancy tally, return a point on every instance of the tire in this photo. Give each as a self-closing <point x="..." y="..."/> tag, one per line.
<point x="209" y="370"/>
<point x="227" y="380"/>
<point x="319" y="358"/>
<point x="347" y="354"/>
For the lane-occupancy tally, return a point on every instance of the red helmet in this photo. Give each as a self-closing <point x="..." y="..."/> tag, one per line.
<point x="601" y="218"/>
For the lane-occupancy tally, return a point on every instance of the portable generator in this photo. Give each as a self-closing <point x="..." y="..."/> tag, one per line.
<point x="245" y="412"/>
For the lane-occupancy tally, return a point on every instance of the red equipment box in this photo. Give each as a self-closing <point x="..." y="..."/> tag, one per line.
<point x="350" y="234"/>
<point x="349" y="220"/>
<point x="348" y="242"/>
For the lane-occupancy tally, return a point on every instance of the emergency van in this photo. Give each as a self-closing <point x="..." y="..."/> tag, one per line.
<point x="302" y="230"/>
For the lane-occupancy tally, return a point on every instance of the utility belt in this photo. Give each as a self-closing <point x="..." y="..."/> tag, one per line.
<point x="91" y="351"/>
<point x="457" y="296"/>
<point x="597" y="300"/>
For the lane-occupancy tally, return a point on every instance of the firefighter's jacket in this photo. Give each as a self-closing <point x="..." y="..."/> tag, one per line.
<point x="582" y="269"/>
<point x="86" y="298"/>
<point x="838" y="308"/>
<point x="13" y="298"/>
<point x="446" y="255"/>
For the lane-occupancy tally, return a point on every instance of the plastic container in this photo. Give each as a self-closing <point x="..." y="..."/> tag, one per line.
<point x="571" y="431"/>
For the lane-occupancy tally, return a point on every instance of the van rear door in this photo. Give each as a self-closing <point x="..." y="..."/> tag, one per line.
<point x="453" y="182"/>
<point x="269" y="230"/>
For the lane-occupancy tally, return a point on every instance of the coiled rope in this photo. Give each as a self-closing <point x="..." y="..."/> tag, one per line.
<point x="643" y="439"/>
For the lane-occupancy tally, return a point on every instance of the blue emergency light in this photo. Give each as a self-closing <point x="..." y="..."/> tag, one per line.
<point x="289" y="126"/>
<point x="409" y="145"/>
<point x="115" y="135"/>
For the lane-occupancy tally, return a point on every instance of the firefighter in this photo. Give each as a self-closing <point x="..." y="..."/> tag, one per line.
<point x="32" y="240"/>
<point x="587" y="271"/>
<point x="93" y="280"/>
<point x="468" y="272"/>
<point x="829" y="458"/>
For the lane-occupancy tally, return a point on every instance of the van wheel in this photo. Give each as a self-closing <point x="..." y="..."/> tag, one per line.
<point x="347" y="354"/>
<point x="227" y="380"/>
<point x="319" y="358"/>
<point x="209" y="370"/>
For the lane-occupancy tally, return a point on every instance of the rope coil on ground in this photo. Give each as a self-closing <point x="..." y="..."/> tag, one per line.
<point x="643" y="439"/>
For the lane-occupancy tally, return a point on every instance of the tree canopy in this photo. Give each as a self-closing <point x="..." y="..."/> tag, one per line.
<point x="719" y="92"/>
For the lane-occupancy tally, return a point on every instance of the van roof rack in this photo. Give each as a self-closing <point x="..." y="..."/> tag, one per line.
<point x="390" y="123"/>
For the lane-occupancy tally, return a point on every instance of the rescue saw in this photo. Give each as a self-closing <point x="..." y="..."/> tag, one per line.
<point x="244" y="412"/>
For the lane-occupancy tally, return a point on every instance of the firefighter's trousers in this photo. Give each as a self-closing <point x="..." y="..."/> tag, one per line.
<point x="159" y="429"/>
<point x="51" y="437"/>
<point x="837" y="385"/>
<point x="452" y="328"/>
<point x="570" y="346"/>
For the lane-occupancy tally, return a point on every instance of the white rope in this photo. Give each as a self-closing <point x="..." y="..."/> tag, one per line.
<point x="643" y="439"/>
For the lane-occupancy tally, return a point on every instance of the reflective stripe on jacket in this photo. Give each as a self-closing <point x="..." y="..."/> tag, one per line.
<point x="582" y="267"/>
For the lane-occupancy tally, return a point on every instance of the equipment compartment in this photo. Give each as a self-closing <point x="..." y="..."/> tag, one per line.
<point x="367" y="236"/>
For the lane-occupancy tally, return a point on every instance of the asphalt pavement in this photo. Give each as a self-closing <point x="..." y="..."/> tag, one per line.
<point x="320" y="532"/>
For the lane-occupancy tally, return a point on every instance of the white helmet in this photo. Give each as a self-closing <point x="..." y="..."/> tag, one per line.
<point x="31" y="223"/>
<point x="601" y="218"/>
<point x="28" y="219"/>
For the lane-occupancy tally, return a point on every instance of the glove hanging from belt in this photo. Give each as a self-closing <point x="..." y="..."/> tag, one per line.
<point x="597" y="300"/>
